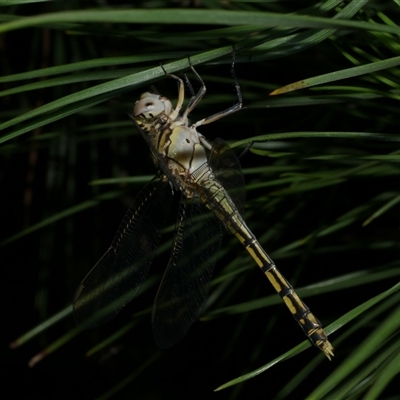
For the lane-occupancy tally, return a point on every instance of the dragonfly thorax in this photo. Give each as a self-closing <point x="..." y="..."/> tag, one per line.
<point x="184" y="151"/>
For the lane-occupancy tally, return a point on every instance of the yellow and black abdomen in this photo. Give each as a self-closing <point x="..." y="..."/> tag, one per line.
<point x="215" y="198"/>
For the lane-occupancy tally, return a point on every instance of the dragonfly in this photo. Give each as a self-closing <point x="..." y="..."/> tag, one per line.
<point x="208" y="178"/>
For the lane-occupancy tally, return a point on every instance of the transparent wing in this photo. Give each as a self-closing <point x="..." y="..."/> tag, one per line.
<point x="116" y="278"/>
<point x="184" y="287"/>
<point x="227" y="170"/>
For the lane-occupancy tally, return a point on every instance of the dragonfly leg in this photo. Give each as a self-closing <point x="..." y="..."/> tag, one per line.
<point x="196" y="97"/>
<point x="236" y="107"/>
<point x="181" y="94"/>
<point x="191" y="90"/>
<point x="205" y="142"/>
<point x="246" y="150"/>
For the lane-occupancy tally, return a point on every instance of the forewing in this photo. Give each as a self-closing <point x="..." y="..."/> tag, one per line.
<point x="184" y="287"/>
<point x="116" y="278"/>
<point x="227" y="171"/>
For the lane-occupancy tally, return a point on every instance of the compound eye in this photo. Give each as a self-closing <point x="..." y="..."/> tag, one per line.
<point x="150" y="106"/>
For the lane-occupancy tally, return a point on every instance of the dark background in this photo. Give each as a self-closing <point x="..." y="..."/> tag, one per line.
<point x="49" y="169"/>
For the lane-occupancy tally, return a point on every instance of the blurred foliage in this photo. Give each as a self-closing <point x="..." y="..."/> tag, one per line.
<point x="321" y="180"/>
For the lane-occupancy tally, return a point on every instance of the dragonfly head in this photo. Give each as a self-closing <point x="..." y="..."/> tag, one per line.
<point x="151" y="107"/>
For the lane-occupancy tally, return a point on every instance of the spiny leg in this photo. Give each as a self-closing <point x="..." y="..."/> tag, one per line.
<point x="181" y="94"/>
<point x="247" y="149"/>
<point x="190" y="87"/>
<point x="195" y="99"/>
<point x="236" y="107"/>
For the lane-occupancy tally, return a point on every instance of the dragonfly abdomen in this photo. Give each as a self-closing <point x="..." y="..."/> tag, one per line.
<point x="214" y="197"/>
<point x="301" y="313"/>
